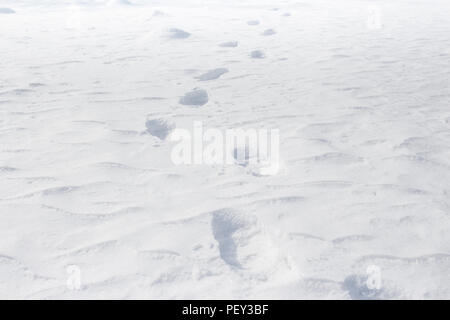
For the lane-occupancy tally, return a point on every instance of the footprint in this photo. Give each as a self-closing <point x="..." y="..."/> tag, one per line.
<point x="159" y="128"/>
<point x="178" y="34"/>
<point x="229" y="44"/>
<point x="244" y="155"/>
<point x="158" y="13"/>
<point x="119" y="3"/>
<point x="269" y="32"/>
<point x="257" y="54"/>
<point x="245" y="246"/>
<point x="225" y="225"/>
<point x="212" y="74"/>
<point x="6" y="11"/>
<point x="253" y="22"/>
<point x="197" y="97"/>
<point x="7" y="169"/>
<point x="358" y="288"/>
<point x="36" y="84"/>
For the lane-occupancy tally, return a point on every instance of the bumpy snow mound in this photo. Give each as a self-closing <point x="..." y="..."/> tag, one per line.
<point x="6" y="11"/>
<point x="197" y="97"/>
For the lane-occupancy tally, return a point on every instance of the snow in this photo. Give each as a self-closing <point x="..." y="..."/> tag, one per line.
<point x="178" y="34"/>
<point x="197" y="97"/>
<point x="229" y="44"/>
<point x="160" y="128"/>
<point x="257" y="54"/>
<point x="253" y="22"/>
<point x="212" y="74"/>
<point x="91" y="90"/>
<point x="269" y="32"/>
<point x="6" y="11"/>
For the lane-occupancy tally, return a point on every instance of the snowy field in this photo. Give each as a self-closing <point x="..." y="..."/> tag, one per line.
<point x="92" y="206"/>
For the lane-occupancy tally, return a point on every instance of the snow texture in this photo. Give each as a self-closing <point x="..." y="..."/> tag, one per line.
<point x="91" y="90"/>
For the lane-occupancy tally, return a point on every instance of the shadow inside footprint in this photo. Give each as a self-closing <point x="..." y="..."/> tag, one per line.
<point x="244" y="155"/>
<point x="224" y="224"/>
<point x="212" y="74"/>
<point x="257" y="54"/>
<point x="7" y="11"/>
<point x="357" y="288"/>
<point x="269" y="32"/>
<point x="229" y="44"/>
<point x="197" y="97"/>
<point x="159" y="128"/>
<point x="178" y="34"/>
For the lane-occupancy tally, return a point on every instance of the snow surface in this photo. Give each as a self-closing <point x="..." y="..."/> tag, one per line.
<point x="89" y="91"/>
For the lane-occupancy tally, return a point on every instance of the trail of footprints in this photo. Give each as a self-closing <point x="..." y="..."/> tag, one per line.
<point x="160" y="128"/>
<point x="242" y="242"/>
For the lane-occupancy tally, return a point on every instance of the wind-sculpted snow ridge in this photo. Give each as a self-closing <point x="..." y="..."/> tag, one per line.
<point x="92" y="204"/>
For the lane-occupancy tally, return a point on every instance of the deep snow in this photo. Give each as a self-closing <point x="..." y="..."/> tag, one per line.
<point x="90" y="90"/>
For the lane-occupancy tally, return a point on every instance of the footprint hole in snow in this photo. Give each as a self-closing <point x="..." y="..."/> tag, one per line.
<point x="212" y="74"/>
<point x="159" y="128"/>
<point x="357" y="288"/>
<point x="257" y="54"/>
<point x="229" y="44"/>
<point x="269" y="32"/>
<point x="176" y="33"/>
<point x="225" y="223"/>
<point x="196" y="97"/>
<point x="253" y="22"/>
<point x="6" y="11"/>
